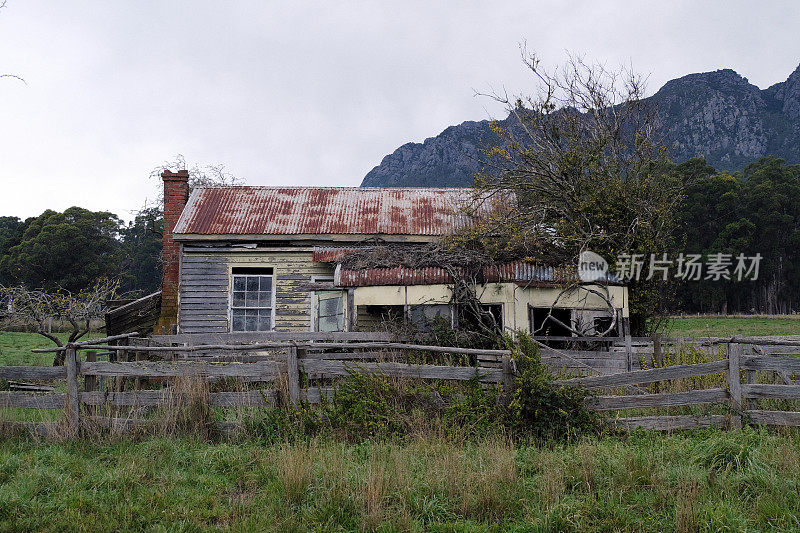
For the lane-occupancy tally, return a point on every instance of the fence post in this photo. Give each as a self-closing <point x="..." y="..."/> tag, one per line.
<point x="90" y="382"/>
<point x="749" y="378"/>
<point x="734" y="386"/>
<point x="508" y="373"/>
<point x="658" y="357"/>
<point x="122" y="357"/>
<point x="629" y="352"/>
<point x="72" y="409"/>
<point x="293" y="374"/>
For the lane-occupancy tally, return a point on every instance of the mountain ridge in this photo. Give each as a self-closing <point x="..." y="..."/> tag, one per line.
<point x="718" y="115"/>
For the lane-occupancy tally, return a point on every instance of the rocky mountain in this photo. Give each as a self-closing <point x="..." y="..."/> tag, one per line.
<point x="718" y="115"/>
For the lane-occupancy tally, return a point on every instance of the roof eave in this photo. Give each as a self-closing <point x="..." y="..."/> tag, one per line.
<point x="333" y="237"/>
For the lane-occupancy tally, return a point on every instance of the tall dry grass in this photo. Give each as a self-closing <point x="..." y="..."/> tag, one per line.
<point x="295" y="467"/>
<point x="185" y="410"/>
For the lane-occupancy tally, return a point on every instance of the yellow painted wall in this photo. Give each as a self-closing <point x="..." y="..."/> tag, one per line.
<point x="515" y="299"/>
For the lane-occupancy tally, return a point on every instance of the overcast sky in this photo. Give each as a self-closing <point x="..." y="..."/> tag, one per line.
<point x="310" y="93"/>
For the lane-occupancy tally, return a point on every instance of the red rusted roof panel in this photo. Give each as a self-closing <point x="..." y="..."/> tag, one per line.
<point x="326" y="254"/>
<point x="323" y="210"/>
<point x="517" y="271"/>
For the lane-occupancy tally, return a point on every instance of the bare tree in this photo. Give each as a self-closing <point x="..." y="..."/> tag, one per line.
<point x="584" y="163"/>
<point x="39" y="307"/>
<point x="199" y="176"/>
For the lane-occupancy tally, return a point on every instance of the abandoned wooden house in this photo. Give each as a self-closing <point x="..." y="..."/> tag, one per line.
<point x="267" y="259"/>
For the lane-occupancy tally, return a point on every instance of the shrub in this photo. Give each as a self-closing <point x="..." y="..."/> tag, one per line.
<point x="537" y="406"/>
<point x="474" y="413"/>
<point x="366" y="405"/>
<point x="371" y="406"/>
<point x="287" y="424"/>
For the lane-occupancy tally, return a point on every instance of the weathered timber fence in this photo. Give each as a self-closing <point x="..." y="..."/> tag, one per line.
<point x="294" y="367"/>
<point x="745" y="358"/>
<point x="612" y="355"/>
<point x="297" y="367"/>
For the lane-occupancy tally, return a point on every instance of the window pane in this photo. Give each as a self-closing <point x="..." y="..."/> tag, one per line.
<point x="331" y="306"/>
<point x="251" y="320"/>
<point x="252" y="283"/>
<point x="329" y="323"/>
<point x="265" y="320"/>
<point x="264" y="299"/>
<point x="266" y="283"/>
<point x="238" y="320"/>
<point x="238" y="283"/>
<point x="238" y="299"/>
<point x="251" y="299"/>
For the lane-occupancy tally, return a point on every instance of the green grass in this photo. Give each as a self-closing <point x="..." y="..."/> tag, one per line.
<point x="647" y="482"/>
<point x="15" y="348"/>
<point x="716" y="326"/>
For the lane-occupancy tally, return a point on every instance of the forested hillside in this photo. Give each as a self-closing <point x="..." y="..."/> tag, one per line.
<point x="756" y="210"/>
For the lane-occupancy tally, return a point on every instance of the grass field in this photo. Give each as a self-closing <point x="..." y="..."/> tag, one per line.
<point x="715" y="326"/>
<point x="700" y="481"/>
<point x="645" y="481"/>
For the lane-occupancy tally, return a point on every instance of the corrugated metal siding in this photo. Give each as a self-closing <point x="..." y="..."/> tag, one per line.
<point x="390" y="276"/>
<point x="323" y="210"/>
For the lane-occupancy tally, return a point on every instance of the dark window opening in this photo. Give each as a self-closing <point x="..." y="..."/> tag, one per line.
<point x="424" y="316"/>
<point x="488" y="318"/>
<point x="493" y="315"/>
<point x="602" y="323"/>
<point x="379" y="317"/>
<point x="543" y="325"/>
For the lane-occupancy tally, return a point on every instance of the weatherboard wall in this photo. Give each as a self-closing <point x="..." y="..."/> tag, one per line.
<point x="205" y="291"/>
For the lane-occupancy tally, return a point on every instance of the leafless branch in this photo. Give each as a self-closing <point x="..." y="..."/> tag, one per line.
<point x="40" y="307"/>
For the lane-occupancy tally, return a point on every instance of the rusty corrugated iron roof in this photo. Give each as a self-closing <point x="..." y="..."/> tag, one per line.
<point x="365" y="277"/>
<point x="513" y="272"/>
<point x="329" y="254"/>
<point x="322" y="210"/>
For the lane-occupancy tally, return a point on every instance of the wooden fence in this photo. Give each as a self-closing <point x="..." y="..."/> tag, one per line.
<point x="294" y="367"/>
<point x="612" y="355"/>
<point x="307" y="363"/>
<point x="748" y="360"/>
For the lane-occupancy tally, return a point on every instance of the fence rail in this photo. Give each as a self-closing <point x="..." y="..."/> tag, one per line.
<point x="735" y="397"/>
<point x="305" y="367"/>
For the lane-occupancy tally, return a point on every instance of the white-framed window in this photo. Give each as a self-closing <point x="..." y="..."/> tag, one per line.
<point x="252" y="299"/>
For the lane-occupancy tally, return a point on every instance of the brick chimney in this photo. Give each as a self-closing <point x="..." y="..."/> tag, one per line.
<point x="176" y="193"/>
